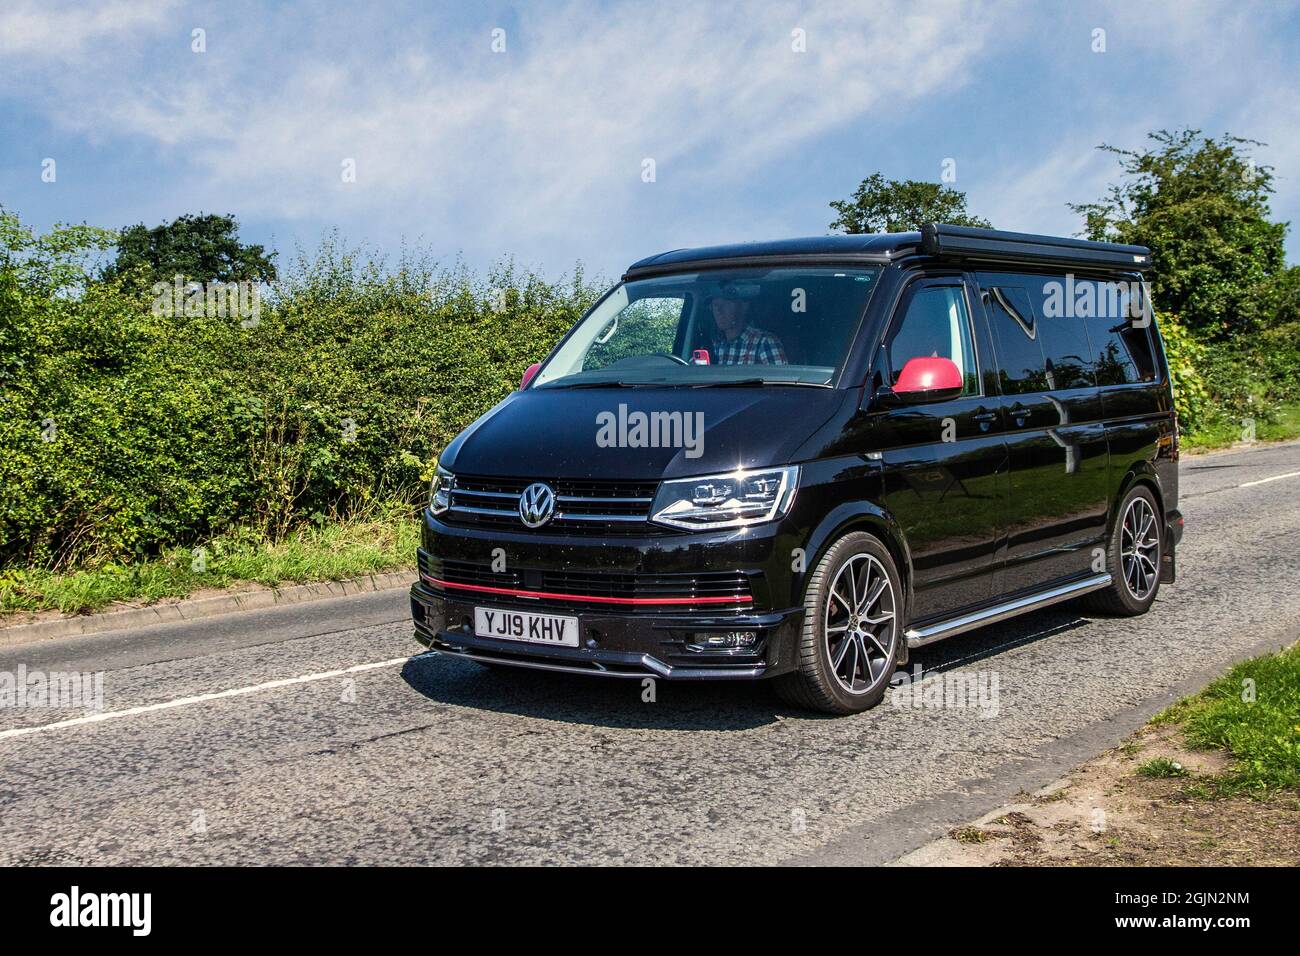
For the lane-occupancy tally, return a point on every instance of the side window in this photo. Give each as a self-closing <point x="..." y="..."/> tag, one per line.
<point x="1066" y="347"/>
<point x="1021" y="368"/>
<point x="646" y="325"/>
<point x="935" y="323"/>
<point x="1121" y="342"/>
<point x="1138" y="342"/>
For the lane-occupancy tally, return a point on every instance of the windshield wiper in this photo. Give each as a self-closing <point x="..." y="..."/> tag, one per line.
<point x="608" y="384"/>
<point x="753" y="382"/>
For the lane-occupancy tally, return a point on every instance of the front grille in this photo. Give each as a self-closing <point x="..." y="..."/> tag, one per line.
<point x="582" y="506"/>
<point x="721" y="591"/>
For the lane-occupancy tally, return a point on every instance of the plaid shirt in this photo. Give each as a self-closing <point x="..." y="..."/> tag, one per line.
<point x="751" y="347"/>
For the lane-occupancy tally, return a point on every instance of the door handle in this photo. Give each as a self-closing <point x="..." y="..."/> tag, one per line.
<point x="1020" y="413"/>
<point x="984" y="418"/>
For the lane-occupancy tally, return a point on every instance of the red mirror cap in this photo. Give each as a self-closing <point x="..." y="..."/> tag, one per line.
<point x="529" y="373"/>
<point x="929" y="375"/>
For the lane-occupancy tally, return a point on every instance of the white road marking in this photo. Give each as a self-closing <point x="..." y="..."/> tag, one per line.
<point x="204" y="698"/>
<point x="1264" y="481"/>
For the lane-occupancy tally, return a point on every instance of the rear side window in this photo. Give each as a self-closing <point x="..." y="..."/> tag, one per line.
<point x="1021" y="368"/>
<point x="1138" y="342"/>
<point x="1120" y="334"/>
<point x="935" y="323"/>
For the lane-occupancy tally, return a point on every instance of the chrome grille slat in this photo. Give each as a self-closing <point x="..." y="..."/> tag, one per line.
<point x="611" y="507"/>
<point x="604" y="501"/>
<point x="466" y="509"/>
<point x="564" y="516"/>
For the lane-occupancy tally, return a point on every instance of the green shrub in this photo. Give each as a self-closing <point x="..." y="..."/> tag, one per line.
<point x="124" y="433"/>
<point x="1240" y="386"/>
<point x="1185" y="355"/>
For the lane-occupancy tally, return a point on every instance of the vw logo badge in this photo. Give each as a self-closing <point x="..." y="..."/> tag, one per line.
<point x="537" y="504"/>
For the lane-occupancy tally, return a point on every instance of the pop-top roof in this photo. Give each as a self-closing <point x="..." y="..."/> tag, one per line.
<point x="939" y="241"/>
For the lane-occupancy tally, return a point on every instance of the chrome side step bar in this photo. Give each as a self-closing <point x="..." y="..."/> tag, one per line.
<point x="920" y="636"/>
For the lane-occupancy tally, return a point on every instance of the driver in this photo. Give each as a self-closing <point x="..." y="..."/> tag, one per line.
<point x="738" y="342"/>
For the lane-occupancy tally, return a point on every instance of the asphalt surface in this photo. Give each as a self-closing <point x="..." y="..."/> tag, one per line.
<point x="426" y="759"/>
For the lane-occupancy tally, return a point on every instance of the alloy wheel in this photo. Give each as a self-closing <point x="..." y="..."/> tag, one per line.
<point x="860" y="624"/>
<point x="1139" y="548"/>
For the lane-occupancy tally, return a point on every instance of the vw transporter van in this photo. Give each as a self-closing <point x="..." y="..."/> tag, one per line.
<point x="799" y="460"/>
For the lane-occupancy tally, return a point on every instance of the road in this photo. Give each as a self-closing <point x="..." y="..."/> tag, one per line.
<point x="358" y="752"/>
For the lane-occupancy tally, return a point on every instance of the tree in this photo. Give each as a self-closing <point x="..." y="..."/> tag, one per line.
<point x="880" y="205"/>
<point x="1201" y="205"/>
<point x="203" y="248"/>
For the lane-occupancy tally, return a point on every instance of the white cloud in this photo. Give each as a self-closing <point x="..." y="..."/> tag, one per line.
<point x="50" y="30"/>
<point x="539" y="150"/>
<point x="546" y="139"/>
<point x="1033" y="195"/>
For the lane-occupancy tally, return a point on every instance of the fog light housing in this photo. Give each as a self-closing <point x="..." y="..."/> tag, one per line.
<point x="723" y="640"/>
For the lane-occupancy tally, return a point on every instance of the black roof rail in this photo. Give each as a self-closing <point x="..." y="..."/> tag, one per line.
<point x="993" y="245"/>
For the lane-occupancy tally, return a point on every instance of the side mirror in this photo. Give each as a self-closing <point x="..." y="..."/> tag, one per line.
<point x="928" y="380"/>
<point x="529" y="374"/>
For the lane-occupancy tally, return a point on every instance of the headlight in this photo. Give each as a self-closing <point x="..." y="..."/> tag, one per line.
<point x="440" y="490"/>
<point x="726" y="501"/>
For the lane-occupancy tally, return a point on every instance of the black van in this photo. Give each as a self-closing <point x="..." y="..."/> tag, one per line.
<point x="800" y="459"/>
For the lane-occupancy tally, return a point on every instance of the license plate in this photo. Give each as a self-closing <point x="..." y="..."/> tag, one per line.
<point x="526" y="626"/>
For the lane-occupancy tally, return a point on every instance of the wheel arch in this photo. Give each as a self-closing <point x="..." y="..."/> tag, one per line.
<point x="1139" y="473"/>
<point x="876" y="521"/>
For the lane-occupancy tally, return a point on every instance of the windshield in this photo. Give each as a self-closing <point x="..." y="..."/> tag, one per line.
<point x="752" y="326"/>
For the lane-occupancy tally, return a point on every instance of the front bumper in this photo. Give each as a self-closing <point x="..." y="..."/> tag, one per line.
<point x="613" y="644"/>
<point x="653" y="639"/>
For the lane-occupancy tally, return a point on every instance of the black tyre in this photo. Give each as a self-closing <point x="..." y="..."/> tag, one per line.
<point x="852" y="629"/>
<point x="1133" y="556"/>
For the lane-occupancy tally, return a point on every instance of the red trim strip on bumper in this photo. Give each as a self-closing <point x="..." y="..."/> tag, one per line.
<point x="556" y="596"/>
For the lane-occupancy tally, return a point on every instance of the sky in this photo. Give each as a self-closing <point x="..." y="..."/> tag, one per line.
<point x="488" y="131"/>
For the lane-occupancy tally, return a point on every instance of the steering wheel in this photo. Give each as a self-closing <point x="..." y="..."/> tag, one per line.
<point x="636" y="361"/>
<point x="670" y="356"/>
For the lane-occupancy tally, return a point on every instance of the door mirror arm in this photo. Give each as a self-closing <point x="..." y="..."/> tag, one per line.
<point x="885" y="398"/>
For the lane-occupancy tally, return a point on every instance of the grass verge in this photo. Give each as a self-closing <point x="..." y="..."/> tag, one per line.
<point x="335" y="551"/>
<point x="1226" y="434"/>
<point x="1252" y="713"/>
